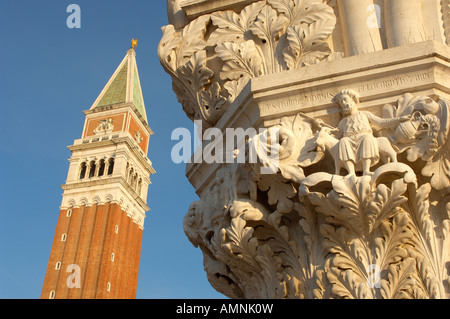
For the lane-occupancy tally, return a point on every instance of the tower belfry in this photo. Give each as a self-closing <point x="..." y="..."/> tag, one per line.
<point x="97" y="242"/>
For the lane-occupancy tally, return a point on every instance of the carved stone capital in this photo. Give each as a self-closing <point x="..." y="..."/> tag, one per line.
<point x="213" y="57"/>
<point x="345" y="187"/>
<point x="379" y="236"/>
<point x="307" y="231"/>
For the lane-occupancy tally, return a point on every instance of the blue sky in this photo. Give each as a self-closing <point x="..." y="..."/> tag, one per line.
<point x="49" y="75"/>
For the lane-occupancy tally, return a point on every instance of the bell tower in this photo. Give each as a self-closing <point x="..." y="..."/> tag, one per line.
<point x="97" y="243"/>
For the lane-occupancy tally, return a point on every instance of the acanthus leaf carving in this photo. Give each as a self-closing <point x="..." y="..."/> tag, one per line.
<point x="355" y="249"/>
<point x="399" y="282"/>
<point x="241" y="60"/>
<point x="384" y="205"/>
<point x="234" y="88"/>
<point x="371" y="227"/>
<point x="268" y="28"/>
<point x="183" y="56"/>
<point x="192" y="39"/>
<point x="279" y="192"/>
<point x="304" y="11"/>
<point x="324" y="235"/>
<point x="268" y="25"/>
<point x="166" y="47"/>
<point x="431" y="244"/>
<point x="438" y="164"/>
<point x="212" y="102"/>
<point x="304" y="48"/>
<point x="190" y="83"/>
<point x="263" y="38"/>
<point x="232" y="26"/>
<point x="438" y="168"/>
<point x="176" y="48"/>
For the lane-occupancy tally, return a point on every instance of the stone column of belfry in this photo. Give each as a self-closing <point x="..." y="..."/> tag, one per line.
<point x="97" y="243"/>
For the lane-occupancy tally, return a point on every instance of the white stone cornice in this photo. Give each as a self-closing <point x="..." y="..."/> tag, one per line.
<point x="98" y="184"/>
<point x="88" y="197"/>
<point x="195" y="8"/>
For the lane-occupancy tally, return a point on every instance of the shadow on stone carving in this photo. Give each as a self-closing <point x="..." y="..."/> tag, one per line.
<point x="326" y="235"/>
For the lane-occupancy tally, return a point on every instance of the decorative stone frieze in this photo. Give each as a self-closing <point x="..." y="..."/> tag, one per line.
<point x="117" y="193"/>
<point x="350" y="194"/>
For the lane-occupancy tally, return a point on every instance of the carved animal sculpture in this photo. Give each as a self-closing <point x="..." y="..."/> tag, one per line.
<point x="325" y="141"/>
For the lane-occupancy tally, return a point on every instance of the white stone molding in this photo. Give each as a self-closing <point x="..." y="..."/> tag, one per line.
<point x="71" y="203"/>
<point x="83" y="201"/>
<point x="78" y="198"/>
<point x="195" y="8"/>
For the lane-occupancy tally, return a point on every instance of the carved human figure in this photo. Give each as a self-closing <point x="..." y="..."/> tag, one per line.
<point x="325" y="141"/>
<point x="357" y="144"/>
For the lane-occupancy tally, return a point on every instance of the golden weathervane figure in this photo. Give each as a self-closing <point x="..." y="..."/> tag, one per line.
<point x="134" y="43"/>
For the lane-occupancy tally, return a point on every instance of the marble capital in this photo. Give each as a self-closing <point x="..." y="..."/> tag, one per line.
<point x="357" y="202"/>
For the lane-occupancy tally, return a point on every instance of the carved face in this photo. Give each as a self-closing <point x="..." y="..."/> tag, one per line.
<point x="287" y="142"/>
<point x="347" y="104"/>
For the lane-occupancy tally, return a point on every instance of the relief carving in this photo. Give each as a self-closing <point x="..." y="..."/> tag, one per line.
<point x="138" y="137"/>
<point x="355" y="146"/>
<point x="425" y="136"/>
<point x="105" y="126"/>
<point x="314" y="231"/>
<point x="213" y="57"/>
<point x="356" y="210"/>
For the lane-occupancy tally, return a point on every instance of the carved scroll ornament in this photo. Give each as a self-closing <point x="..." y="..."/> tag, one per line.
<point x="212" y="58"/>
<point x="311" y="232"/>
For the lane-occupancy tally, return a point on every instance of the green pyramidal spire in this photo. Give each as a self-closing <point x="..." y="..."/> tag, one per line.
<point x="124" y="85"/>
